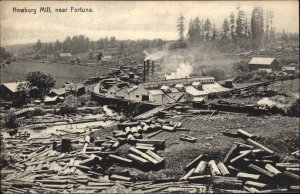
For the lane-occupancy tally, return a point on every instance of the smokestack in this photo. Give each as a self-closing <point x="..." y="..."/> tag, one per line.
<point x="144" y="78"/>
<point x="148" y="69"/>
<point x="152" y="71"/>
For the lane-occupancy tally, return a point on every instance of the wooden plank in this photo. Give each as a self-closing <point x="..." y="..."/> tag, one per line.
<point x="194" y="162"/>
<point x="200" y="169"/>
<point x="230" y="153"/>
<point x="187" y="175"/>
<point x="244" y="134"/>
<point x="243" y="175"/>
<point x="120" y="159"/>
<point x="272" y="169"/>
<point x="256" y="184"/>
<point x="223" y="169"/>
<point x="240" y="156"/>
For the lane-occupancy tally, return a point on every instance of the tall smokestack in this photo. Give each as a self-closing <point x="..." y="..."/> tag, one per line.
<point x="152" y="71"/>
<point x="144" y="78"/>
<point x="148" y="69"/>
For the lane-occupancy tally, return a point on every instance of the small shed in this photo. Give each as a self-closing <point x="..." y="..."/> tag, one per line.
<point x="289" y="70"/>
<point x="10" y="91"/>
<point x="263" y="63"/>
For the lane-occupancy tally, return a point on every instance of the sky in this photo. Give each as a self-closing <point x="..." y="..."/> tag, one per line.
<point x="126" y="20"/>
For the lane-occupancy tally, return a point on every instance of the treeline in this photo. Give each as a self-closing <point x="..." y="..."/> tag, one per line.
<point x="81" y="43"/>
<point x="238" y="29"/>
<point x="4" y="55"/>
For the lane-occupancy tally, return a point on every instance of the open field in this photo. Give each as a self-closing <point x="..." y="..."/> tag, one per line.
<point x="276" y="132"/>
<point x="61" y="72"/>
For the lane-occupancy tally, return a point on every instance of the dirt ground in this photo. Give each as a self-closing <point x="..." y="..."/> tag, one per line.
<point x="279" y="133"/>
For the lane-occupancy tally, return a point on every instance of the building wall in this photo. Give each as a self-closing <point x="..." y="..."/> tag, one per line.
<point x="6" y="94"/>
<point x="122" y="94"/>
<point x="156" y="98"/>
<point x="138" y="93"/>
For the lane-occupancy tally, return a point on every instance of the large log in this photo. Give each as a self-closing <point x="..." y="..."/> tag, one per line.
<point x="230" y="154"/>
<point x="243" y="134"/>
<point x="243" y="176"/>
<point x="144" y="155"/>
<point x="213" y="168"/>
<point x="240" y="156"/>
<point x="272" y="169"/>
<point x="120" y="159"/>
<point x="258" y="145"/>
<point x="200" y="169"/>
<point x="288" y="165"/>
<point x="194" y="162"/>
<point x="187" y="175"/>
<point x="261" y="170"/>
<point x="155" y="156"/>
<point x="223" y="169"/>
<point x="256" y="184"/>
<point x="138" y="159"/>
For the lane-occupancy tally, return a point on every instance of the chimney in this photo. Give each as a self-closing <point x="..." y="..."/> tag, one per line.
<point x="152" y="71"/>
<point x="144" y="78"/>
<point x="148" y="69"/>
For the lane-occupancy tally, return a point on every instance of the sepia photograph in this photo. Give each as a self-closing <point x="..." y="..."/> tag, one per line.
<point x="149" y="96"/>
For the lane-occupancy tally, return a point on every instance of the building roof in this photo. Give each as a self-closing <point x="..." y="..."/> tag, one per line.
<point x="194" y="92"/>
<point x="58" y="91"/>
<point x="289" y="68"/>
<point x="114" y="89"/>
<point x="174" y="90"/>
<point x="65" y="54"/>
<point x="215" y="87"/>
<point x="50" y="99"/>
<point x="198" y="99"/>
<point x="13" y="86"/>
<point x="261" y="61"/>
<point x="156" y="92"/>
<point x="176" y="81"/>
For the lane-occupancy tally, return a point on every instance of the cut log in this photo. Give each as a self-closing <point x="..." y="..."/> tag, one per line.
<point x="272" y="169"/>
<point x="230" y="154"/>
<point x="213" y="168"/>
<point x="155" y="133"/>
<point x="246" y="176"/>
<point x="187" y="175"/>
<point x="288" y="165"/>
<point x="240" y="156"/>
<point x="200" y="169"/>
<point x="258" y="145"/>
<point x="193" y="163"/>
<point x="119" y="177"/>
<point x="261" y="170"/>
<point x="120" y="159"/>
<point x="155" y="156"/>
<point x="243" y="134"/>
<point x="292" y="175"/>
<point x="256" y="184"/>
<point x="138" y="159"/>
<point x="223" y="169"/>
<point x="144" y="155"/>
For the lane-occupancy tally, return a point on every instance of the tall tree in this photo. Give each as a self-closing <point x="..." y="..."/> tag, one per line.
<point x="42" y="81"/>
<point x="257" y="26"/>
<point x="38" y="45"/>
<point x="240" y="24"/>
<point x="180" y="27"/>
<point x="231" y="20"/>
<point x="225" y="27"/>
<point x="57" y="46"/>
<point x="207" y="29"/>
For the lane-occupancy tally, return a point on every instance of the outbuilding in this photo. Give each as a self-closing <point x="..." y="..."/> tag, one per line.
<point x="263" y="63"/>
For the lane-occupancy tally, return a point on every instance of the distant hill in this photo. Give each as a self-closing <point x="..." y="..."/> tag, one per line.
<point x="19" y="48"/>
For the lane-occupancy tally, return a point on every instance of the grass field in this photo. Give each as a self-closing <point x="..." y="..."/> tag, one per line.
<point x="17" y="70"/>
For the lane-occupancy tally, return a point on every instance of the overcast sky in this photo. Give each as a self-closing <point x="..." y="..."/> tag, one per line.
<point x="127" y="20"/>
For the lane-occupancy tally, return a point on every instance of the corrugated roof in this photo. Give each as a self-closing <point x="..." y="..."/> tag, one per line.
<point x="13" y="86"/>
<point x="193" y="91"/>
<point x="261" y="61"/>
<point x="156" y="92"/>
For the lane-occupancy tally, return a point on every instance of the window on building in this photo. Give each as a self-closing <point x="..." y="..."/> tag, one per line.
<point x="137" y="96"/>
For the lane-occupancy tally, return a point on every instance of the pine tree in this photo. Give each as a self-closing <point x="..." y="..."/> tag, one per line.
<point x="180" y="27"/>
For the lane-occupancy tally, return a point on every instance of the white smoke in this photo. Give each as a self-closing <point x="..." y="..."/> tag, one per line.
<point x="266" y="102"/>
<point x="183" y="71"/>
<point x="155" y="55"/>
<point x="108" y="111"/>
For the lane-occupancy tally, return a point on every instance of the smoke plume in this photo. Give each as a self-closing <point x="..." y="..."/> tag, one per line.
<point x="290" y="105"/>
<point x="183" y="71"/>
